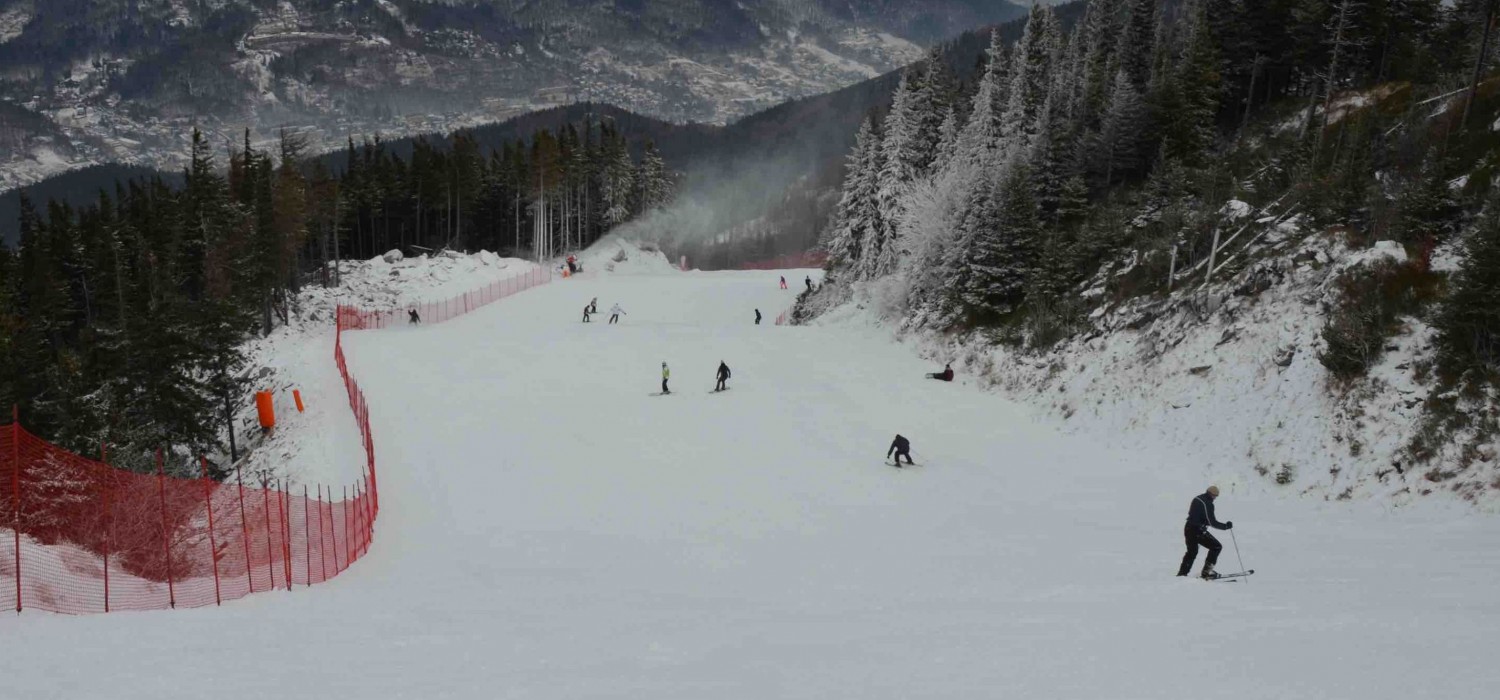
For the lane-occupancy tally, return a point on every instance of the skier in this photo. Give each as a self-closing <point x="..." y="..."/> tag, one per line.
<point x="594" y="305"/>
<point x="757" y="317"/>
<point x="572" y="264"/>
<point x="783" y="281"/>
<point x="902" y="447"/>
<point x="1200" y="518"/>
<point x="586" y="313"/>
<point x="665" y="375"/>
<point x="723" y="376"/>
<point x="809" y="283"/>
<point x="614" y="316"/>
<point x="412" y="317"/>
<point x="945" y="375"/>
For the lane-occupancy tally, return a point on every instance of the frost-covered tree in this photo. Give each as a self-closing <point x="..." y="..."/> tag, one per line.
<point x="981" y="133"/>
<point x="1116" y="149"/>
<point x="1032" y="79"/>
<point x="857" y="214"/>
<point x="1469" y="325"/>
<point x="1001" y="230"/>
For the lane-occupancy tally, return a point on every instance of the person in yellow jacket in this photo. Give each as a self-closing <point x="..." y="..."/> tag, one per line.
<point x="666" y="374"/>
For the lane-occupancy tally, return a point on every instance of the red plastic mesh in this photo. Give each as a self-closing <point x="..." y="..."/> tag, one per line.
<point x="78" y="536"/>
<point x="352" y="318"/>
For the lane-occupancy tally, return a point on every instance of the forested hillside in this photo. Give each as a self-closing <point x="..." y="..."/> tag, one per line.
<point x="124" y="320"/>
<point x="1097" y="172"/>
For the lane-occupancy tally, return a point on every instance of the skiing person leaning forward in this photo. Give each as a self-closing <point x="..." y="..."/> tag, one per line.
<point x="1200" y="518"/>
<point x="902" y="447"/>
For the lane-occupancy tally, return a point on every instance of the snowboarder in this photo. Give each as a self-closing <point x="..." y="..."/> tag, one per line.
<point x="1200" y="518"/>
<point x="783" y="281"/>
<point x="809" y="283"/>
<point x="665" y="375"/>
<point x="945" y="375"/>
<point x="412" y="317"/>
<point x="586" y="313"/>
<point x="902" y="447"/>
<point x="757" y="317"/>
<point x="614" y="317"/>
<point x="594" y="305"/>
<point x="723" y="376"/>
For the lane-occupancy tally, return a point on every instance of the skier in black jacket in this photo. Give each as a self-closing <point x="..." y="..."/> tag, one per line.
<point x="1200" y="518"/>
<point x="902" y="447"/>
<point x="723" y="376"/>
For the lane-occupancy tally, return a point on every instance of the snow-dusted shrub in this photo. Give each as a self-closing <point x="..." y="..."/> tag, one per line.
<point x="1371" y="300"/>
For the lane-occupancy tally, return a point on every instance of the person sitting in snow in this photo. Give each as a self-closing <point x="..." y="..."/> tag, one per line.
<point x="945" y="375"/>
<point x="1200" y="518"/>
<point x="412" y="317"/>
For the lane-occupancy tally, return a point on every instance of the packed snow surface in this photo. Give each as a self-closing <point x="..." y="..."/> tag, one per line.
<point x="551" y="530"/>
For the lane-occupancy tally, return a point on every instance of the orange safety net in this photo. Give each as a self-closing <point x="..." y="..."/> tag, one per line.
<point x="78" y="536"/>
<point x="353" y="318"/>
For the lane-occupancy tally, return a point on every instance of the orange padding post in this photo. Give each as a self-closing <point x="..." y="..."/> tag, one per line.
<point x="297" y="394"/>
<point x="266" y="410"/>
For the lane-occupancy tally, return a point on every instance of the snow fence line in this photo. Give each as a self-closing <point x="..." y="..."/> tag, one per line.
<point x="83" y="537"/>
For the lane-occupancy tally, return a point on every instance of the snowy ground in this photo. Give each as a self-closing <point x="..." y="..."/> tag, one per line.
<point x="549" y="530"/>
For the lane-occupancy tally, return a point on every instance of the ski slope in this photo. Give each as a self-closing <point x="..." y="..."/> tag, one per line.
<point x="549" y="530"/>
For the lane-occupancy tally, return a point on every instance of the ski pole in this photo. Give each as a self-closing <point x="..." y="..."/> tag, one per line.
<point x="1236" y="542"/>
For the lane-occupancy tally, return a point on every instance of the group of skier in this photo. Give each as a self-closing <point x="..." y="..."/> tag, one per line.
<point x="592" y="308"/>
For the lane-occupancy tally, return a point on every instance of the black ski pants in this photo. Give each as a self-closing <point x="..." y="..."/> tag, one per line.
<point x="903" y="453"/>
<point x="664" y="389"/>
<point x="1197" y="536"/>
<point x="614" y="317"/>
<point x="720" y="386"/>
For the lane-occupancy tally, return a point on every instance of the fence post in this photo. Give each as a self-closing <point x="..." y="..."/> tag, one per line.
<point x="346" y="528"/>
<point x="307" y="539"/>
<point x="286" y="555"/>
<point x="166" y="540"/>
<point x="1213" y="254"/>
<point x="265" y="507"/>
<point x="104" y="459"/>
<point x="15" y="489"/>
<point x="322" y="543"/>
<point x="213" y="545"/>
<point x="244" y="528"/>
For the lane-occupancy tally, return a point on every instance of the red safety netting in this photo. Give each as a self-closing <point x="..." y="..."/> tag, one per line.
<point x="83" y="537"/>
<point x="790" y="261"/>
<point x="78" y="536"/>
<point x="354" y="318"/>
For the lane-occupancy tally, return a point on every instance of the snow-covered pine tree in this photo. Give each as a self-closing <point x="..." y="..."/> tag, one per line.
<point x="1002" y="231"/>
<point x="616" y="180"/>
<point x="947" y="144"/>
<point x="1116" y="150"/>
<point x="1137" y="43"/>
<point x="1031" y="79"/>
<point x="856" y="214"/>
<point x="1195" y="88"/>
<point x="1469" y="324"/>
<point x="1101" y="27"/>
<point x="653" y="182"/>
<point x="903" y="160"/>
<point x="981" y="134"/>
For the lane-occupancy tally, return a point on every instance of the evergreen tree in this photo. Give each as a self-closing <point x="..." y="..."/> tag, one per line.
<point x="1001" y="230"/>
<point x="981" y="134"/>
<point x="1468" y="336"/>
<point x="857" y="214"/>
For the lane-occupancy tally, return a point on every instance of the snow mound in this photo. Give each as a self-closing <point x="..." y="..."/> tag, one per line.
<point x="615" y="255"/>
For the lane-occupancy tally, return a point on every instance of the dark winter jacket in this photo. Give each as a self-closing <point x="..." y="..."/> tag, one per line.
<point x="723" y="371"/>
<point x="899" y="446"/>
<point x="1201" y="513"/>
